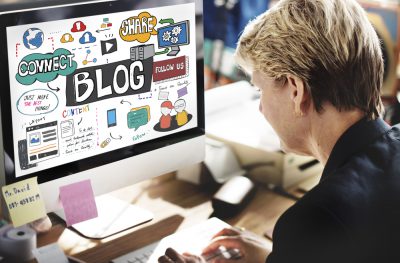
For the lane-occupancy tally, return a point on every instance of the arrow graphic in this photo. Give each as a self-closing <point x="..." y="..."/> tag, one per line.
<point x="56" y="89"/>
<point x="167" y="20"/>
<point x="166" y="50"/>
<point x="52" y="41"/>
<point x="122" y="101"/>
<point x="120" y="137"/>
<point x="16" y="49"/>
<point x="99" y="30"/>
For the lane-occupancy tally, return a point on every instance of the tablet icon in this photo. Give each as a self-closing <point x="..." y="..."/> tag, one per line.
<point x="111" y="118"/>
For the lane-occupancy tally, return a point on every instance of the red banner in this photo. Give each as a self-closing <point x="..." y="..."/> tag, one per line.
<point x="170" y="69"/>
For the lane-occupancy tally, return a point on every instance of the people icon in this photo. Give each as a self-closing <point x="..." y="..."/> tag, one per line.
<point x="181" y="114"/>
<point x="170" y="121"/>
<point x="165" y="119"/>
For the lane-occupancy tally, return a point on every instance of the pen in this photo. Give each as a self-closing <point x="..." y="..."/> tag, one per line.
<point x="230" y="253"/>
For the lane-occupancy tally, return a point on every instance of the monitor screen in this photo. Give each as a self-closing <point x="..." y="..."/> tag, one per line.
<point x="87" y="85"/>
<point x="167" y="36"/>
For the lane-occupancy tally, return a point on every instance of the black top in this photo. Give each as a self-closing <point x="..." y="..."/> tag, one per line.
<point x="353" y="214"/>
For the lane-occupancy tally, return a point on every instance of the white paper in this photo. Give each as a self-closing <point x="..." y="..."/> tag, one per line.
<point x="50" y="254"/>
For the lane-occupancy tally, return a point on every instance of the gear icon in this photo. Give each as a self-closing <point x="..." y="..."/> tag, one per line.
<point x="174" y="40"/>
<point x="166" y="36"/>
<point x="176" y="30"/>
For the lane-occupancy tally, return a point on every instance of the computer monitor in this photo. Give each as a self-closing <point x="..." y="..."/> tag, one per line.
<point x="85" y="94"/>
<point x="166" y="39"/>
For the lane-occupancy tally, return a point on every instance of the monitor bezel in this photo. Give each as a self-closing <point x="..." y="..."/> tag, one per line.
<point x="68" y="12"/>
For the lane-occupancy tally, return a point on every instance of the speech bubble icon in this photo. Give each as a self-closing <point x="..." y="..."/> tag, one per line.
<point x="138" y="117"/>
<point x="36" y="102"/>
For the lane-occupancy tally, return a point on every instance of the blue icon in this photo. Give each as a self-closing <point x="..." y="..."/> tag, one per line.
<point x="33" y="38"/>
<point x="111" y="118"/>
<point x="173" y="36"/>
<point x="34" y="139"/>
<point x="87" y="38"/>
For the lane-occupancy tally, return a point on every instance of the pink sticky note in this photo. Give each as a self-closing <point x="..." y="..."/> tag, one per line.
<point x="78" y="202"/>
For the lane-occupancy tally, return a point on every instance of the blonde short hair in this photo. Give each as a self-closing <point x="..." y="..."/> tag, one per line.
<point x="330" y="44"/>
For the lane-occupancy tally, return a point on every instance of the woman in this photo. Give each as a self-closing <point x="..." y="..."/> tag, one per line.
<point x="318" y="65"/>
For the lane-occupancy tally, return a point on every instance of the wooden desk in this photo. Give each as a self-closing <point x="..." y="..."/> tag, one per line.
<point x="176" y="205"/>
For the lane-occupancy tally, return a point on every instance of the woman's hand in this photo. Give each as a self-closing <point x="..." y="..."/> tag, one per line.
<point x="172" y="256"/>
<point x="252" y="248"/>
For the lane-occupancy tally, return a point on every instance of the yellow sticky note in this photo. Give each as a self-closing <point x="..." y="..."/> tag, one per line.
<point x="24" y="201"/>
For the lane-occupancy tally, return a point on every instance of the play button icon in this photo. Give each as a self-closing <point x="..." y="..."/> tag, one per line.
<point x="108" y="46"/>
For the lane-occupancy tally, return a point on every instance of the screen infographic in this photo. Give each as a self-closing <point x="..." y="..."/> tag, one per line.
<point x="85" y="86"/>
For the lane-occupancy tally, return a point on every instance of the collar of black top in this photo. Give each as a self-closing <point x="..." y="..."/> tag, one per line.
<point x="352" y="141"/>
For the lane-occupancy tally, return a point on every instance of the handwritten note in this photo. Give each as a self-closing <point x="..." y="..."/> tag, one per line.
<point x="78" y="202"/>
<point x="24" y="201"/>
<point x="84" y="140"/>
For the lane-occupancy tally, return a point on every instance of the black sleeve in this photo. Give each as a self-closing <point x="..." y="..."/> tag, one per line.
<point x="310" y="234"/>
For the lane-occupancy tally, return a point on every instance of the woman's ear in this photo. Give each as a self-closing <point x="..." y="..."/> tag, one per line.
<point x="298" y="95"/>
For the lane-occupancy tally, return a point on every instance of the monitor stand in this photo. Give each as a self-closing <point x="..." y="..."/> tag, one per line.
<point x="174" y="51"/>
<point x="114" y="216"/>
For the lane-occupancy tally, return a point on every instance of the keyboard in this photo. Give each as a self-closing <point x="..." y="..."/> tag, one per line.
<point x="203" y="233"/>
<point x="143" y="255"/>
